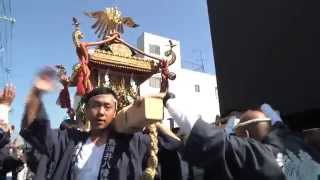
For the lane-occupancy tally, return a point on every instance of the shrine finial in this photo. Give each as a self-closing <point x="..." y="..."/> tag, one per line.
<point x="110" y="21"/>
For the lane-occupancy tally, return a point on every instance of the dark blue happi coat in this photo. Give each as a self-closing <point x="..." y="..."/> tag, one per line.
<point x="281" y="155"/>
<point x="124" y="158"/>
<point x="227" y="157"/>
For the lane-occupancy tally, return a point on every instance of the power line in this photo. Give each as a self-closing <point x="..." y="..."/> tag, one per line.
<point x="197" y="63"/>
<point x="6" y="34"/>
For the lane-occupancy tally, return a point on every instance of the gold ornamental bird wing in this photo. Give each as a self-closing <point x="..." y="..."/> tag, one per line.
<point x="109" y="21"/>
<point x="129" y="22"/>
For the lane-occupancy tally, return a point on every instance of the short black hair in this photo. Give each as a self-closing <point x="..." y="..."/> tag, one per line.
<point x="98" y="91"/>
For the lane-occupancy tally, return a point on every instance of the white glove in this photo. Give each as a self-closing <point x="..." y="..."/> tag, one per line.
<point x="272" y="114"/>
<point x="186" y="122"/>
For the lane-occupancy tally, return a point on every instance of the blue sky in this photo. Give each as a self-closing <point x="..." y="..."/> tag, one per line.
<point x="42" y="36"/>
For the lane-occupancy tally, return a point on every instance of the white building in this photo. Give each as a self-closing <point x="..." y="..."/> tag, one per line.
<point x="195" y="92"/>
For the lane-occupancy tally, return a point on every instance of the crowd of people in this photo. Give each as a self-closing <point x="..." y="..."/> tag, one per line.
<point x="251" y="144"/>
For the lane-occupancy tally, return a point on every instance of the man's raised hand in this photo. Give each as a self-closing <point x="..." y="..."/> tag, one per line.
<point x="46" y="79"/>
<point x="7" y="95"/>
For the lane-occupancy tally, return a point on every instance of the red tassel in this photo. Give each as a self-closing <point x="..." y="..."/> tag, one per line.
<point x="80" y="86"/>
<point x="83" y="85"/>
<point x="64" y="98"/>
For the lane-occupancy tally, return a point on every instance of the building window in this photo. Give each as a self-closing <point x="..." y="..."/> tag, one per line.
<point x="197" y="88"/>
<point x="154" y="49"/>
<point x="154" y="82"/>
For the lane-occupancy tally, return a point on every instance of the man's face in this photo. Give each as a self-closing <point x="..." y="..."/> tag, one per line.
<point x="101" y="110"/>
<point x="257" y="130"/>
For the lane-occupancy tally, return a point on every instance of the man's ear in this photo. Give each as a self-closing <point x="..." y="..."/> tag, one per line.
<point x="115" y="113"/>
<point x="247" y="133"/>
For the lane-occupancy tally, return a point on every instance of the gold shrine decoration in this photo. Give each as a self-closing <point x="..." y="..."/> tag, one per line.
<point x="103" y="57"/>
<point x="110" y="21"/>
<point x="116" y="64"/>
